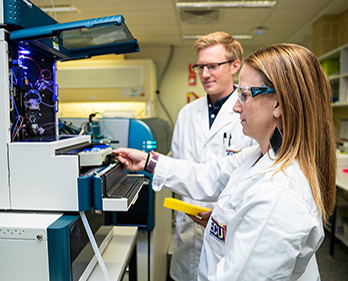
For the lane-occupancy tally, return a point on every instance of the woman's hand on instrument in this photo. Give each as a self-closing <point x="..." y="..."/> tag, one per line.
<point x="133" y="159"/>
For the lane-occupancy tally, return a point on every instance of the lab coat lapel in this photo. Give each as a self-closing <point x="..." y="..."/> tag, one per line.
<point x="201" y="118"/>
<point x="224" y="116"/>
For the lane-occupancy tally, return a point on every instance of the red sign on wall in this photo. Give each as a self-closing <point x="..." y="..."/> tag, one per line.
<point x="192" y="96"/>
<point x="192" y="76"/>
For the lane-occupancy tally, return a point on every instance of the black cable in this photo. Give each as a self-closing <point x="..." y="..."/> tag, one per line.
<point x="166" y="66"/>
<point x="164" y="108"/>
<point x="160" y="83"/>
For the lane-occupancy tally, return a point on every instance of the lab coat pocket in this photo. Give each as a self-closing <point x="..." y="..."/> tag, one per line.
<point x="239" y="142"/>
<point x="218" y="227"/>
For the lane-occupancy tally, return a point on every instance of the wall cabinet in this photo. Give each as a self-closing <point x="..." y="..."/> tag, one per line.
<point x="335" y="64"/>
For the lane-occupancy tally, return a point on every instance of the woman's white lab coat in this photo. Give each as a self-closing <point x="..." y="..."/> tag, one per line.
<point x="193" y="140"/>
<point x="265" y="226"/>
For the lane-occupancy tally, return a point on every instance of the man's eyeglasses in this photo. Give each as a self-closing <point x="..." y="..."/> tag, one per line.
<point x="198" y="68"/>
<point x="244" y="93"/>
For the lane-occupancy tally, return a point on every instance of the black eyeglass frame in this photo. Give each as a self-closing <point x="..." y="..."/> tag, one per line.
<point x="199" y="67"/>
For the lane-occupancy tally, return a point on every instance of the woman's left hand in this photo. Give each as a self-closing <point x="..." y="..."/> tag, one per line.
<point x="202" y="218"/>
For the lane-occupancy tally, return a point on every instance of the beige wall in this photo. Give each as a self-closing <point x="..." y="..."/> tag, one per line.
<point x="174" y="85"/>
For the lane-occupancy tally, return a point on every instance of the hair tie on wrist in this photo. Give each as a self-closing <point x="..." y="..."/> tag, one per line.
<point x="152" y="163"/>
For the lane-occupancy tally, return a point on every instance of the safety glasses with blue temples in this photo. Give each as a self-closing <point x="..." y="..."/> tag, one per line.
<point x="214" y="66"/>
<point x="244" y="93"/>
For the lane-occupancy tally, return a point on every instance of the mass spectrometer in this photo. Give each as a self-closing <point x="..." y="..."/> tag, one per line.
<point x="47" y="179"/>
<point x="41" y="167"/>
<point x="140" y="133"/>
<point x="153" y="222"/>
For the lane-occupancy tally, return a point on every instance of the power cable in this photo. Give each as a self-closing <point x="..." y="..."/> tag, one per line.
<point x="160" y="83"/>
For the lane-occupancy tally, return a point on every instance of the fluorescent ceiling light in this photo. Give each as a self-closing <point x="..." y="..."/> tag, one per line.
<point x="237" y="37"/>
<point x="242" y="37"/>
<point x="60" y="9"/>
<point x="226" y="4"/>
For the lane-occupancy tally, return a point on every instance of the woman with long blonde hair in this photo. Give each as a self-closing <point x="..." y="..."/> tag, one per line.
<point x="273" y="198"/>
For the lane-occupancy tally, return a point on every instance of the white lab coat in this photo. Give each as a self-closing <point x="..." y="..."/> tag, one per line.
<point x="265" y="226"/>
<point x="193" y="140"/>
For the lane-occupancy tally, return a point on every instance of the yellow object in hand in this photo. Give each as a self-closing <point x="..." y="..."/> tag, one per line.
<point x="184" y="207"/>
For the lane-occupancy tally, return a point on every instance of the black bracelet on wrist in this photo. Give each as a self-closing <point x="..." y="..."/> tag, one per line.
<point x="147" y="160"/>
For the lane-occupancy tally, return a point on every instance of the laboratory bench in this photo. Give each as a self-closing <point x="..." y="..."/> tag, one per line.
<point x="119" y="254"/>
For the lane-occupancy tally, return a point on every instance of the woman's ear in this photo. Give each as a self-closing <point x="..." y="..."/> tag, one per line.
<point x="277" y="113"/>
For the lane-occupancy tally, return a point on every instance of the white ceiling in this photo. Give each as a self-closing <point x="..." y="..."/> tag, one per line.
<point x="159" y="22"/>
